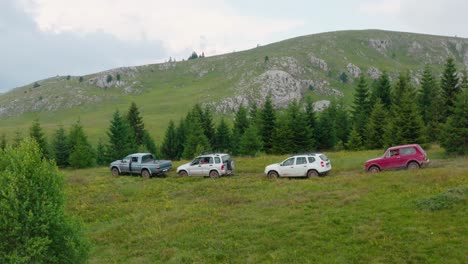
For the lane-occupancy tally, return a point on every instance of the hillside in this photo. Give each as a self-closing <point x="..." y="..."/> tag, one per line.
<point x="288" y="70"/>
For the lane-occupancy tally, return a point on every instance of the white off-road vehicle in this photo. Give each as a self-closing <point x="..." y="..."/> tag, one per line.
<point x="304" y="165"/>
<point x="213" y="165"/>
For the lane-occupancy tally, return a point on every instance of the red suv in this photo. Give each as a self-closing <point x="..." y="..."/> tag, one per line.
<point x="399" y="157"/>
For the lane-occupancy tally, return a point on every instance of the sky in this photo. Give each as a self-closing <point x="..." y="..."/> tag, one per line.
<point x="45" y="38"/>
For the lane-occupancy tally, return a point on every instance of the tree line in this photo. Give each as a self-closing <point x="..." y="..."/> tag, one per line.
<point x="383" y="113"/>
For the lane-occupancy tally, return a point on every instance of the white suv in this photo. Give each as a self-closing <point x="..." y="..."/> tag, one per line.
<point x="212" y="165"/>
<point x="305" y="165"/>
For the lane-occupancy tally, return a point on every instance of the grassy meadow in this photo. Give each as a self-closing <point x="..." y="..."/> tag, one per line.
<point x="346" y="217"/>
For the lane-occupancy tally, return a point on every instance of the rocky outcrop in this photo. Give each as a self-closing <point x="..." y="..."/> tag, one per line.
<point x="374" y="73"/>
<point x="381" y="45"/>
<point x="113" y="78"/>
<point x="287" y="64"/>
<point x="317" y="62"/>
<point x="416" y="48"/>
<point x="465" y="60"/>
<point x="321" y="105"/>
<point x="353" y="70"/>
<point x="282" y="87"/>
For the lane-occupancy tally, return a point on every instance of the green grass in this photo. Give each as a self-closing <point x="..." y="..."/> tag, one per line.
<point x="347" y="217"/>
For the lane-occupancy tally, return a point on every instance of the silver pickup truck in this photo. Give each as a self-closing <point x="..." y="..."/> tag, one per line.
<point x="143" y="164"/>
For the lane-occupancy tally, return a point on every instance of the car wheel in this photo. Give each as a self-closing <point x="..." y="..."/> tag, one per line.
<point x="145" y="174"/>
<point x="374" y="169"/>
<point x="115" y="172"/>
<point x="183" y="173"/>
<point x="413" y="166"/>
<point x="272" y="175"/>
<point x="214" y="174"/>
<point x="312" y="173"/>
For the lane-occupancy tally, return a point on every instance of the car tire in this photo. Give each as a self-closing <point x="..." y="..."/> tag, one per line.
<point x="183" y="173"/>
<point x="413" y="165"/>
<point x="272" y="175"/>
<point x="214" y="174"/>
<point x="115" y="171"/>
<point x="145" y="174"/>
<point x="312" y="173"/>
<point x="373" y="169"/>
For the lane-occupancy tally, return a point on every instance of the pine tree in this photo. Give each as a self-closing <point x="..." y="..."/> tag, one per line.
<point x="206" y="119"/>
<point x="311" y="121"/>
<point x="241" y="123"/>
<point x="33" y="225"/>
<point x="101" y="158"/>
<point x="361" y="106"/>
<point x="426" y="95"/>
<point x="18" y="138"/>
<point x="135" y="121"/>
<point x="326" y="131"/>
<point x="455" y="135"/>
<point x="436" y="115"/>
<point x="376" y="126"/>
<point x="268" y="122"/>
<point x="149" y="145"/>
<point x="281" y="137"/>
<point x="82" y="154"/>
<point x="341" y="123"/>
<point x="383" y="91"/>
<point x="3" y="142"/>
<point x="449" y="85"/>
<point x="401" y="88"/>
<point x="298" y="125"/>
<point x="169" y="144"/>
<point x="120" y="138"/>
<point x="196" y="140"/>
<point x="60" y="149"/>
<point x="181" y="137"/>
<point x="355" y="141"/>
<point x="36" y="133"/>
<point x="251" y="142"/>
<point x="408" y="124"/>
<point x="222" y="137"/>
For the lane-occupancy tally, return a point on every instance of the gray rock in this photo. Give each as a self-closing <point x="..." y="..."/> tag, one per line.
<point x="381" y="45"/>
<point x="353" y="70"/>
<point x="319" y="106"/>
<point x="287" y="64"/>
<point x="317" y="62"/>
<point x="374" y="73"/>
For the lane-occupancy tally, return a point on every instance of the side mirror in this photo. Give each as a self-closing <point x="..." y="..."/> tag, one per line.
<point x="281" y="164"/>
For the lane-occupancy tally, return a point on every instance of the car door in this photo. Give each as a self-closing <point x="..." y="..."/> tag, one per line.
<point x="287" y="168"/>
<point x="300" y="167"/>
<point x="135" y="165"/>
<point x="125" y="165"/>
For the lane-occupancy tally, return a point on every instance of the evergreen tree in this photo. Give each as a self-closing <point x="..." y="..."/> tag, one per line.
<point x="222" y="137"/>
<point x="436" y="115"/>
<point x="82" y="154"/>
<point x="401" y="88"/>
<point x="181" y="137"/>
<point x="33" y="225"/>
<point x="254" y="118"/>
<point x="455" y="135"/>
<point x="361" y="106"/>
<point x="407" y="123"/>
<point x="18" y="138"/>
<point x="426" y="95"/>
<point x="206" y="119"/>
<point x="341" y="122"/>
<point x="355" y="141"/>
<point x="311" y="121"/>
<point x="376" y="128"/>
<point x="251" y="142"/>
<point x="3" y="142"/>
<point x="101" y="158"/>
<point x="298" y="125"/>
<point x="268" y="122"/>
<point x="169" y="145"/>
<point x="449" y="84"/>
<point x="241" y="123"/>
<point x="326" y="131"/>
<point x="135" y="121"/>
<point x="196" y="140"/>
<point x="36" y="133"/>
<point x="120" y="138"/>
<point x="149" y="145"/>
<point x="281" y="137"/>
<point x="60" y="149"/>
<point x="383" y="91"/>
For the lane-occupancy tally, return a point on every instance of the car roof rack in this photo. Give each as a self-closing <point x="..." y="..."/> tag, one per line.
<point x="305" y="153"/>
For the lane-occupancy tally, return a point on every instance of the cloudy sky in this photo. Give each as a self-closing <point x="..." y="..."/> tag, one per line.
<point x="45" y="38"/>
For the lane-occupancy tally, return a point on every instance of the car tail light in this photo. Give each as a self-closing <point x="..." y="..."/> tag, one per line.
<point x="322" y="164"/>
<point x="158" y="167"/>
<point x="222" y="167"/>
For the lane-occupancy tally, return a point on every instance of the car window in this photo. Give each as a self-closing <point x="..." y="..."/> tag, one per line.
<point x="323" y="157"/>
<point x="210" y="160"/>
<point x="126" y="159"/>
<point x="301" y="160"/>
<point x="146" y="158"/>
<point x="288" y="162"/>
<point x="226" y="158"/>
<point x="311" y="159"/>
<point x="217" y="160"/>
<point x="134" y="159"/>
<point x="196" y="161"/>
<point x="408" y="151"/>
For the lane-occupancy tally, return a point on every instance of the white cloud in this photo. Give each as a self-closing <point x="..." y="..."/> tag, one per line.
<point x="385" y="7"/>
<point x="180" y="24"/>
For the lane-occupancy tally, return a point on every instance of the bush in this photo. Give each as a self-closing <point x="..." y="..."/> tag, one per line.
<point x="445" y="200"/>
<point x="33" y="224"/>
